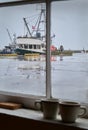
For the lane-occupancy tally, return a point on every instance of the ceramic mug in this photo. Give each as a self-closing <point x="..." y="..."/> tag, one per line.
<point x="69" y="111"/>
<point x="49" y="107"/>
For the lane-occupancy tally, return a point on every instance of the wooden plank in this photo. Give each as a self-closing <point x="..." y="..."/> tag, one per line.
<point x="10" y="105"/>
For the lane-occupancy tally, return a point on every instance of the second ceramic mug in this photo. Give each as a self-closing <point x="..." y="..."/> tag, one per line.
<point x="69" y="111"/>
<point x="49" y="107"/>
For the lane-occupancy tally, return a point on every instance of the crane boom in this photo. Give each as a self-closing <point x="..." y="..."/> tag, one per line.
<point x="9" y="35"/>
<point x="27" y="27"/>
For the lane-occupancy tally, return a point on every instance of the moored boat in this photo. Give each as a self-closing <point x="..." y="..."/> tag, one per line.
<point x="34" y="40"/>
<point x="25" y="45"/>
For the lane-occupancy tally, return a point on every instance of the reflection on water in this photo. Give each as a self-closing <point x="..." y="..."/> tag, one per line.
<point x="28" y="75"/>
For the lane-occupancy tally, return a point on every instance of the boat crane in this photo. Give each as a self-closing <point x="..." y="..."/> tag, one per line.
<point x="36" y="29"/>
<point x="27" y="27"/>
<point x="9" y="35"/>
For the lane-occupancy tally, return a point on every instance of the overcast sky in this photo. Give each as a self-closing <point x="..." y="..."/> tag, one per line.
<point x="69" y="23"/>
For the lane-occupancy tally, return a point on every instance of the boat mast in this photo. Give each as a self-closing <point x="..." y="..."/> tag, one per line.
<point x="9" y="35"/>
<point x="42" y="21"/>
<point x="27" y="27"/>
<point x="42" y="12"/>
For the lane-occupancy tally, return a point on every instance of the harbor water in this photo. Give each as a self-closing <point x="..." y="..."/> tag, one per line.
<point x="69" y="76"/>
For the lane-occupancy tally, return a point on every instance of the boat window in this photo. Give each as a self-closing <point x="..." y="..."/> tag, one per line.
<point x="38" y="46"/>
<point x="43" y="45"/>
<point x="34" y="46"/>
<point x="25" y="46"/>
<point x="21" y="45"/>
<point x="30" y="46"/>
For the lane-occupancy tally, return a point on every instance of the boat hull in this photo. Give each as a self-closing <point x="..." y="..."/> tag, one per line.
<point x="23" y="51"/>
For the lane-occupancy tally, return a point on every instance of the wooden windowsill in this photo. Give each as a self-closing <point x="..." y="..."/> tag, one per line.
<point x="81" y="123"/>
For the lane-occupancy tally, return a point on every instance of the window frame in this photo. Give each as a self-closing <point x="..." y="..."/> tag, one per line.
<point x="26" y="99"/>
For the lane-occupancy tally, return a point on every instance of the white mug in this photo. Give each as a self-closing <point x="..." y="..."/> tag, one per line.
<point x="49" y="107"/>
<point x="69" y="111"/>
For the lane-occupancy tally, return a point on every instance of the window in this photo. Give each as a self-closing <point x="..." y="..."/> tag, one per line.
<point x="60" y="76"/>
<point x="21" y="76"/>
<point x="71" y="30"/>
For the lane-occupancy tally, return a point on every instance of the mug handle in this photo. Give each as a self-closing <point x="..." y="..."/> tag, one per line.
<point x="37" y="104"/>
<point x="84" y="111"/>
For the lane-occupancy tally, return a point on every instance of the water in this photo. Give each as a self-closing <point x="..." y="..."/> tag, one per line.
<point x="69" y="76"/>
<point x="70" y="81"/>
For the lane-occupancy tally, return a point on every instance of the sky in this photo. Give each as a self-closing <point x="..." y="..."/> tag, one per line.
<point x="69" y="23"/>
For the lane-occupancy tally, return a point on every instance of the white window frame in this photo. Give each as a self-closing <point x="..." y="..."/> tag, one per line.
<point x="29" y="100"/>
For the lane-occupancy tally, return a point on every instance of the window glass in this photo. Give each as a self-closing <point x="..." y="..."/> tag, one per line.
<point x="69" y="20"/>
<point x="69" y="50"/>
<point x="19" y="73"/>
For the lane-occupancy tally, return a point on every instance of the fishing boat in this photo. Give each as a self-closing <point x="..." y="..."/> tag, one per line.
<point x="34" y="40"/>
<point x="27" y="45"/>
